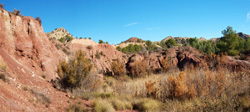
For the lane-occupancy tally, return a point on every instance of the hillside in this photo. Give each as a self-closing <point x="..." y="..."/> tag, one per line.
<point x="31" y="61"/>
<point x="41" y="73"/>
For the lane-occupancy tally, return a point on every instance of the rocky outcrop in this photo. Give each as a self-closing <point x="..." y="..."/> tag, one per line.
<point x="29" y="56"/>
<point x="214" y="39"/>
<point x="59" y="33"/>
<point x="102" y="55"/>
<point x="236" y="65"/>
<point x="177" y="58"/>
<point x="23" y="39"/>
<point x="242" y="35"/>
<point x="188" y="55"/>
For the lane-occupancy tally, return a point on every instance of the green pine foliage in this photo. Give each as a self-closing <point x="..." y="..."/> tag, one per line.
<point x="231" y="43"/>
<point x="151" y="46"/>
<point x="170" y="42"/>
<point x="131" y="48"/>
<point x="207" y="46"/>
<point x="101" y="41"/>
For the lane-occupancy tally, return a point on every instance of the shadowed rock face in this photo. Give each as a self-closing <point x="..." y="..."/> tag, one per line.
<point x="176" y="57"/>
<point x="23" y="39"/>
<point x="242" y="35"/>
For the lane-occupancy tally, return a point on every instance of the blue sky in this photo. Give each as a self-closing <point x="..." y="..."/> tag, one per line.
<point x="117" y="20"/>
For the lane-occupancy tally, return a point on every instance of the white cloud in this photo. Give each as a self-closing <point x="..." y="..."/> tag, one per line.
<point x="248" y="16"/>
<point x="131" y="24"/>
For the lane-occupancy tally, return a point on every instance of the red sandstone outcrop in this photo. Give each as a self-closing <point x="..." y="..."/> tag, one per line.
<point x="102" y="55"/>
<point x="28" y="54"/>
<point x="23" y="39"/>
<point x="236" y="65"/>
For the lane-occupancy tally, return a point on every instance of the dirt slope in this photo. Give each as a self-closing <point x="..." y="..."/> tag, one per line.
<point x="28" y="54"/>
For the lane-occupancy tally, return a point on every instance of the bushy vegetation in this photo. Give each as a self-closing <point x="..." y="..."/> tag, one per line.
<point x="170" y="43"/>
<point x="17" y="12"/>
<point x="77" y="108"/>
<point x="73" y="72"/>
<point x="206" y="46"/>
<point x="2" y="5"/>
<point x="41" y="97"/>
<point x="213" y="87"/>
<point x="97" y="55"/>
<point x="151" y="46"/>
<point x="139" y="69"/>
<point x="3" y="77"/>
<point x="231" y="43"/>
<point x="103" y="106"/>
<point x="67" y="38"/>
<point x="131" y="48"/>
<point x="39" y="20"/>
<point x="101" y="41"/>
<point x="118" y="69"/>
<point x="3" y="68"/>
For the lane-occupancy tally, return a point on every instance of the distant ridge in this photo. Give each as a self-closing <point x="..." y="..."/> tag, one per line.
<point x="134" y="40"/>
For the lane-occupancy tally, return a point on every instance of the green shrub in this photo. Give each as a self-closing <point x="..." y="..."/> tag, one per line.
<point x="17" y="12"/>
<point x="1" y="5"/>
<point x="118" y="48"/>
<point x="2" y="76"/>
<point x="170" y="42"/>
<point x="86" y="95"/>
<point x="3" y="66"/>
<point x="89" y="47"/>
<point x="102" y="95"/>
<point x="97" y="55"/>
<point x="132" y="48"/>
<point x="76" y="108"/>
<point x="101" y="41"/>
<point x="43" y="76"/>
<point x="118" y="105"/>
<point x="67" y="38"/>
<point x="147" y="105"/>
<point x="231" y="43"/>
<point x="103" y="106"/>
<point x="72" y="73"/>
<point x="39" y="20"/>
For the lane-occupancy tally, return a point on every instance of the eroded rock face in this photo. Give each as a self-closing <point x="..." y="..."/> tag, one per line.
<point x="236" y="65"/>
<point x="23" y="39"/>
<point x="188" y="55"/>
<point x="102" y="55"/>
